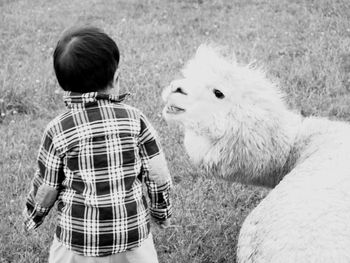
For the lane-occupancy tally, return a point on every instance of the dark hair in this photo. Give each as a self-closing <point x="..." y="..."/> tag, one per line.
<point x="85" y="59"/>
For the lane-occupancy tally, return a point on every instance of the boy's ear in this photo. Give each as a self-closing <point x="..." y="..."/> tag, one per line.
<point x="116" y="76"/>
<point x="116" y="81"/>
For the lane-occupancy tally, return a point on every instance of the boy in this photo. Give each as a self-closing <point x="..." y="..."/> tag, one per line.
<point x="93" y="160"/>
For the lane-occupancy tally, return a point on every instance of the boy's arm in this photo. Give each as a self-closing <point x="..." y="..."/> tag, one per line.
<point x="155" y="172"/>
<point x="45" y="185"/>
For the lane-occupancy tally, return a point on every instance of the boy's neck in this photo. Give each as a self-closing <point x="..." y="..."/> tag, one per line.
<point x="111" y="90"/>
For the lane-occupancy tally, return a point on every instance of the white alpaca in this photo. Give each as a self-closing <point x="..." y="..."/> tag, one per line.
<point x="238" y="127"/>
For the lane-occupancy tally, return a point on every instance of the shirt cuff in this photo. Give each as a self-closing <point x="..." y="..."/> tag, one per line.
<point x="161" y="213"/>
<point x="35" y="218"/>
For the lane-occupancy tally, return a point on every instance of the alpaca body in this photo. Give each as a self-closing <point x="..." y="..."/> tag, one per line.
<point x="237" y="127"/>
<point x="305" y="218"/>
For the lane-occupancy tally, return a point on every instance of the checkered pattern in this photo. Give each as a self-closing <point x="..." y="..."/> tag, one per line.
<point x="97" y="156"/>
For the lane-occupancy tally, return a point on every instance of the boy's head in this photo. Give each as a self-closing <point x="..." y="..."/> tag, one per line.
<point x="85" y="60"/>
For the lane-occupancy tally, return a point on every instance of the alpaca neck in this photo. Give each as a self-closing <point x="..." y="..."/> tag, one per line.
<point x="196" y="145"/>
<point x="284" y="153"/>
<point x="289" y="151"/>
<point x="251" y="159"/>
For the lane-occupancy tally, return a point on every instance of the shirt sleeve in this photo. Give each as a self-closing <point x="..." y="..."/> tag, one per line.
<point x="155" y="172"/>
<point x="45" y="184"/>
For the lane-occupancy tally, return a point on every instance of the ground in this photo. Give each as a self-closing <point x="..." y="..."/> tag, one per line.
<point x="302" y="44"/>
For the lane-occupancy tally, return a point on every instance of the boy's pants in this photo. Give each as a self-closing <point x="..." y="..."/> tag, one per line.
<point x="146" y="253"/>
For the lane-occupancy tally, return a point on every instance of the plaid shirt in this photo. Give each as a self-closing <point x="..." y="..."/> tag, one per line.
<point x="92" y="161"/>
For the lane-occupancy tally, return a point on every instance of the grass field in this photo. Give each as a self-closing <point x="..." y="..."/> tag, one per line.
<point x="303" y="44"/>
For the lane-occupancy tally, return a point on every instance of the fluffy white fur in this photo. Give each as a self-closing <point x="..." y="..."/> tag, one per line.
<point x="250" y="136"/>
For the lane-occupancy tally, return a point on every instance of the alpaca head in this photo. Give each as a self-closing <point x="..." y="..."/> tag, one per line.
<point x="202" y="93"/>
<point x="213" y="88"/>
<point x="238" y="110"/>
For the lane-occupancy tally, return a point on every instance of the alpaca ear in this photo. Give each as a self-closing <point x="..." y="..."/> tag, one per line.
<point x="202" y="50"/>
<point x="201" y="63"/>
<point x="215" y="55"/>
<point x="206" y="53"/>
<point x="208" y="63"/>
<point x="233" y="58"/>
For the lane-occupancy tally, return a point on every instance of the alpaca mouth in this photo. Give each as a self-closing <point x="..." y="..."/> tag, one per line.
<point x="171" y="109"/>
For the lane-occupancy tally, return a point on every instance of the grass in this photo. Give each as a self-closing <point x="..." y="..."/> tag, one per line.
<point x="303" y="45"/>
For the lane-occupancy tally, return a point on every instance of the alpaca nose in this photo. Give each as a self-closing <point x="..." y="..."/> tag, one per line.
<point x="177" y="89"/>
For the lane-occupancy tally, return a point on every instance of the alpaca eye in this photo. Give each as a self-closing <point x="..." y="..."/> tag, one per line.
<point x="218" y="94"/>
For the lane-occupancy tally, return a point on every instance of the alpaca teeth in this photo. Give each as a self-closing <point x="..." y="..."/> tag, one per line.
<point x="174" y="109"/>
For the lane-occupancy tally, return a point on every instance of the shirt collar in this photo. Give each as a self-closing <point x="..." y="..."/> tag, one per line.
<point x="79" y="100"/>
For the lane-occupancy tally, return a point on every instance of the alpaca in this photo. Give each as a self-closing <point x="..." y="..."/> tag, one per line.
<point x="238" y="127"/>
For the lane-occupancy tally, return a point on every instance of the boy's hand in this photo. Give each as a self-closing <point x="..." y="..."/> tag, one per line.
<point x="162" y="223"/>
